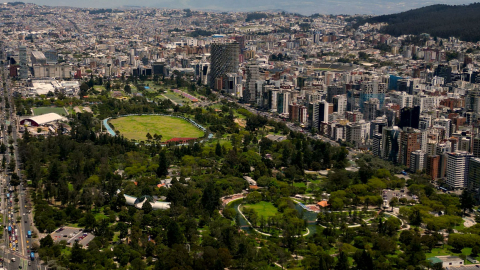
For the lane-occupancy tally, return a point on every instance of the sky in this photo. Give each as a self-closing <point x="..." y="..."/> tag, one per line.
<point x="306" y="7"/>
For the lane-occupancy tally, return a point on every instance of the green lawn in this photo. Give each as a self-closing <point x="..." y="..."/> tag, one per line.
<point x="137" y="127"/>
<point x="265" y="209"/>
<point x="45" y="110"/>
<point x="176" y="98"/>
<point x="299" y="184"/>
<point x="445" y="251"/>
<point x="99" y="88"/>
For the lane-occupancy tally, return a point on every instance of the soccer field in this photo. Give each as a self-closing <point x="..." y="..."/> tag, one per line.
<point x="137" y="127"/>
<point x="45" y="110"/>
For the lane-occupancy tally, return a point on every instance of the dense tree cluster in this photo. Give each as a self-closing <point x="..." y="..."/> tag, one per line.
<point x="460" y="21"/>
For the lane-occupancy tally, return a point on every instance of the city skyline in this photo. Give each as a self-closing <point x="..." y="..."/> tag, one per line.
<point x="377" y="7"/>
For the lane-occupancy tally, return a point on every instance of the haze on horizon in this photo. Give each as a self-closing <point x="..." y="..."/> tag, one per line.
<point x="306" y="7"/>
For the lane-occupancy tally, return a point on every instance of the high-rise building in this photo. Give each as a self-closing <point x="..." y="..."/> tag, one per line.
<point x="334" y="90"/>
<point x="457" y="169"/>
<point x="272" y="97"/>
<point x="472" y="101"/>
<point x="370" y="109"/>
<point x="340" y="104"/>
<point x="224" y="59"/>
<point x="409" y="117"/>
<point x="444" y="72"/>
<point x="253" y="75"/>
<point x="417" y="161"/>
<point x="23" y="61"/>
<point x="302" y="114"/>
<point x="377" y="125"/>
<point x="377" y="145"/>
<point x="433" y="162"/>
<point x="402" y="99"/>
<point x="358" y="133"/>
<point x="323" y="111"/>
<point x="446" y="124"/>
<point x="476" y="147"/>
<point x="474" y="175"/>
<point x="132" y="57"/>
<point x="283" y="100"/>
<point x="372" y="89"/>
<point x="390" y="143"/>
<point x="293" y="110"/>
<point x="410" y="140"/>
<point x="313" y="115"/>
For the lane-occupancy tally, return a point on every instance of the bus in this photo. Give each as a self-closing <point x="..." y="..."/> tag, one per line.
<point x="32" y="256"/>
<point x="29" y="234"/>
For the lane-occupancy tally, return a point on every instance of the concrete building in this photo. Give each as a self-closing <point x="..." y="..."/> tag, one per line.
<point x="476" y="147"/>
<point x="391" y="143"/>
<point x="432" y="168"/>
<point x="474" y="175"/>
<point x="313" y="116"/>
<point x="23" y="61"/>
<point x="358" y="133"/>
<point x="52" y="71"/>
<point x="302" y="114"/>
<point x="38" y="57"/>
<point x="417" y="161"/>
<point x="370" y="109"/>
<point x="224" y="59"/>
<point x="340" y="104"/>
<point x="323" y="111"/>
<point x="457" y="169"/>
<point x="372" y="89"/>
<point x="447" y="261"/>
<point x="445" y="123"/>
<point x="410" y="140"/>
<point x="253" y="75"/>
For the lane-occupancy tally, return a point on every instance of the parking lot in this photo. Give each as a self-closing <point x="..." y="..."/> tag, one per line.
<point x="71" y="235"/>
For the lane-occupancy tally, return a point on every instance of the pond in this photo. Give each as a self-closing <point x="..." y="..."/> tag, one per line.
<point x="311" y="217"/>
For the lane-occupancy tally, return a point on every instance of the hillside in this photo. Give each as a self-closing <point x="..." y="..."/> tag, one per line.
<point x="461" y="21"/>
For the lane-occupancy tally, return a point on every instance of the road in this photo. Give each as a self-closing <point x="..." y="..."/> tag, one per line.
<point x="16" y="246"/>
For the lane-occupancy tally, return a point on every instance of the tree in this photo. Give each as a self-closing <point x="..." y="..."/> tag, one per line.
<point x="475" y="251"/>
<point x="15" y="180"/>
<point x="211" y="197"/>
<point x="47" y="241"/>
<point x="342" y="263"/>
<point x="127" y="89"/>
<point x="162" y="169"/>
<point x="466" y="201"/>
<point x="393" y="202"/>
<point x="11" y="165"/>
<point x="149" y="137"/>
<point x="174" y="234"/>
<point x="147" y="207"/>
<point x="78" y="254"/>
<point x="218" y="150"/>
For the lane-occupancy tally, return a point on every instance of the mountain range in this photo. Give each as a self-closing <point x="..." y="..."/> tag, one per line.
<point x="460" y="21"/>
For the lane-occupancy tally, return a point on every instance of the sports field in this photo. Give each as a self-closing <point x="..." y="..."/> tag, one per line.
<point x="137" y="127"/>
<point x="45" y="110"/>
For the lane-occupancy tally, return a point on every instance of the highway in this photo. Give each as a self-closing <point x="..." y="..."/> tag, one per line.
<point x="15" y="209"/>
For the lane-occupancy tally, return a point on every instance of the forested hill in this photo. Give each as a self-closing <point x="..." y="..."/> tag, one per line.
<point x="461" y="21"/>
